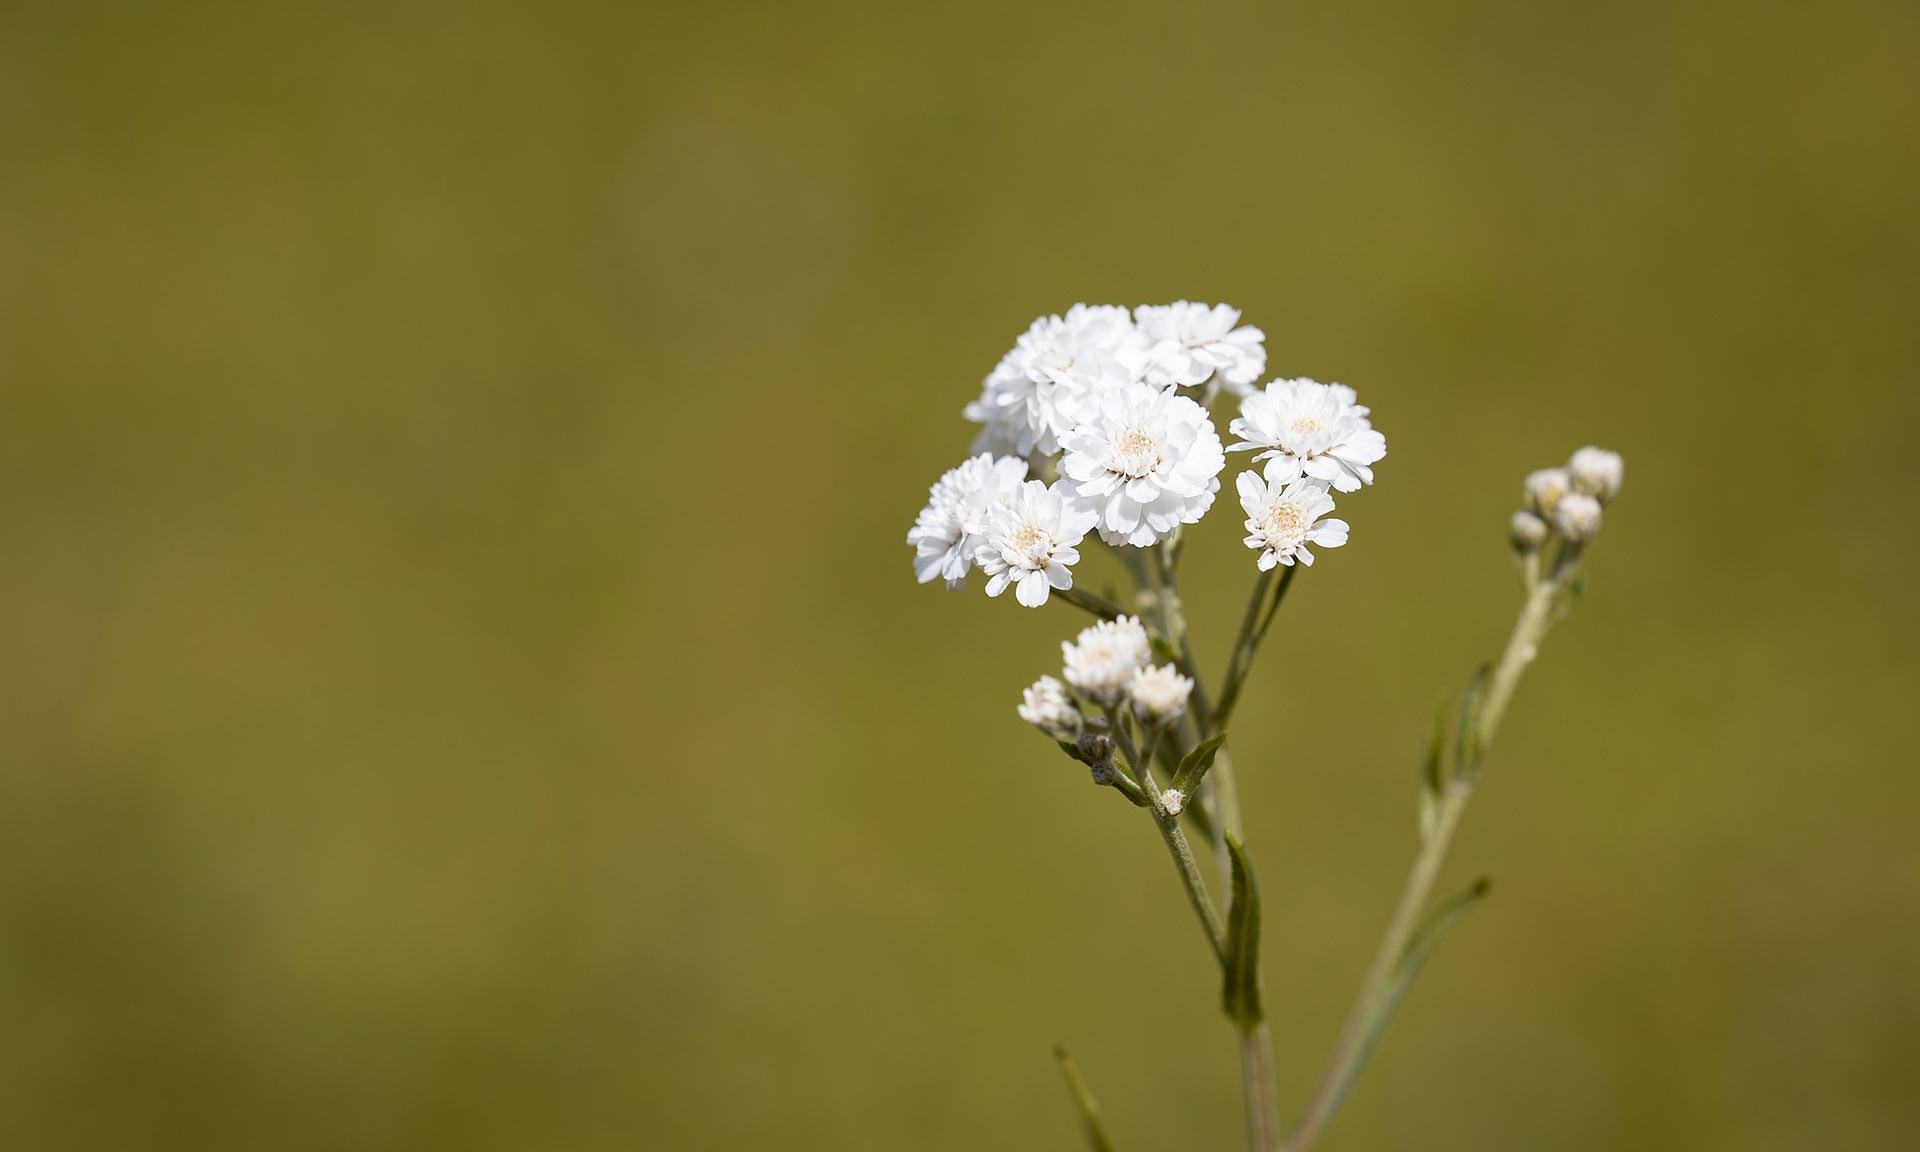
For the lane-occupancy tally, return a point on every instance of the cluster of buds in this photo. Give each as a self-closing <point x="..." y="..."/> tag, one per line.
<point x="1107" y="668"/>
<point x="1566" y="502"/>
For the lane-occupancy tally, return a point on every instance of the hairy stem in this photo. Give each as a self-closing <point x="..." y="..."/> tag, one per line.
<point x="1263" y="1104"/>
<point x="1256" y="1043"/>
<point x="1168" y="825"/>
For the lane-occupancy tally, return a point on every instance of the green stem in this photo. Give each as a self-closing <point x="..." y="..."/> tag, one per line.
<point x="1365" y="1021"/>
<point x="1375" y="1005"/>
<point x="1098" y="605"/>
<point x="1169" y="827"/>
<point x="1246" y="643"/>
<point x="1263" y="1105"/>
<point x="1083" y="1097"/>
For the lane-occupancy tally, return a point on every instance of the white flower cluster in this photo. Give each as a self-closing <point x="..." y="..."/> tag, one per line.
<point x="1113" y="403"/>
<point x="1313" y="437"/>
<point x="1566" y="502"/>
<point x="1110" y="664"/>
<point x="1059" y="368"/>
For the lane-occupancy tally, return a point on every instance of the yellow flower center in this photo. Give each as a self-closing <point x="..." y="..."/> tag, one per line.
<point x="1136" y="452"/>
<point x="1284" y="521"/>
<point x="1029" y="540"/>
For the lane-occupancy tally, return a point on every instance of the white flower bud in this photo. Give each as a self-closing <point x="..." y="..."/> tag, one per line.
<point x="1597" y="472"/>
<point x="1159" y="694"/>
<point x="1173" y="799"/>
<point x="1527" y="533"/>
<point x="1104" y="657"/>
<point x="1545" y="488"/>
<point x="1047" y="707"/>
<point x="1577" y="517"/>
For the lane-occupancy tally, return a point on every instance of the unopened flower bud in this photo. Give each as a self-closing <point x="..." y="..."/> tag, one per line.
<point x="1159" y="694"/>
<point x="1173" y="800"/>
<point x="1103" y="772"/>
<point x="1095" y="748"/>
<point x="1596" y="472"/>
<point x="1577" y="517"/>
<point x="1545" y="488"/>
<point x="1047" y="707"/>
<point x="1527" y="533"/>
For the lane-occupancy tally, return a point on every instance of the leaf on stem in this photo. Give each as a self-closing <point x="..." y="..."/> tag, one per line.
<point x="1195" y="764"/>
<point x="1240" y="991"/>
<point x="1466" y="737"/>
<point x="1433" y="774"/>
<point x="1083" y="1099"/>
<point x="1421" y="946"/>
<point x="1411" y="960"/>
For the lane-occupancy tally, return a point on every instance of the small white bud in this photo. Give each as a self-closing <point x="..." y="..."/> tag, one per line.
<point x="1527" y="533"/>
<point x="1545" y="488"/>
<point x="1173" y="800"/>
<point x="1577" y="517"/>
<point x="1597" y="472"/>
<point x="1047" y="707"/>
<point x="1159" y="694"/>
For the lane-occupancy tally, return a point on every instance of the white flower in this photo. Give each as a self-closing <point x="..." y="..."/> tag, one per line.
<point x="1527" y="533"/>
<point x="1042" y="388"/>
<point x="1282" y="521"/>
<point x="1101" y="661"/>
<point x="1047" y="707"/>
<point x="1577" y="515"/>
<point x="1305" y="428"/>
<point x="1173" y="800"/>
<point x="947" y="532"/>
<point x="1190" y="343"/>
<point x="1030" y="542"/>
<point x="1596" y="472"/>
<point x="1159" y="694"/>
<point x="1146" y="462"/>
<point x="1544" y="489"/>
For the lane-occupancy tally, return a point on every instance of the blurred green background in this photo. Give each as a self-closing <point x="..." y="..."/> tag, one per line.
<point x="463" y="685"/>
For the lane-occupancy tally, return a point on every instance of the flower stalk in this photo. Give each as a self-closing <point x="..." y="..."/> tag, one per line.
<point x="1382" y="988"/>
<point x="1090" y="426"/>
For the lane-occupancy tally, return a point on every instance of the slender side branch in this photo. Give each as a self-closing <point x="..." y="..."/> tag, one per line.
<point x="1168" y="825"/>
<point x="1246" y="643"/>
<point x="1092" y="602"/>
<point x="1383" y="987"/>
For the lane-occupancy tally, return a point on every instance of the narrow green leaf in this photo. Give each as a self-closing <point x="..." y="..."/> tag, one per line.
<point x="1466" y="736"/>
<point x="1240" y="991"/>
<point x="1195" y="765"/>
<point x="1411" y="961"/>
<point x="1443" y="917"/>
<point x="1432" y="773"/>
<point x="1083" y="1099"/>
<point x="1071" y="749"/>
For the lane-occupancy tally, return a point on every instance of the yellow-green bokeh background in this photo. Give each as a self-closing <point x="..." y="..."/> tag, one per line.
<point x="462" y="683"/>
